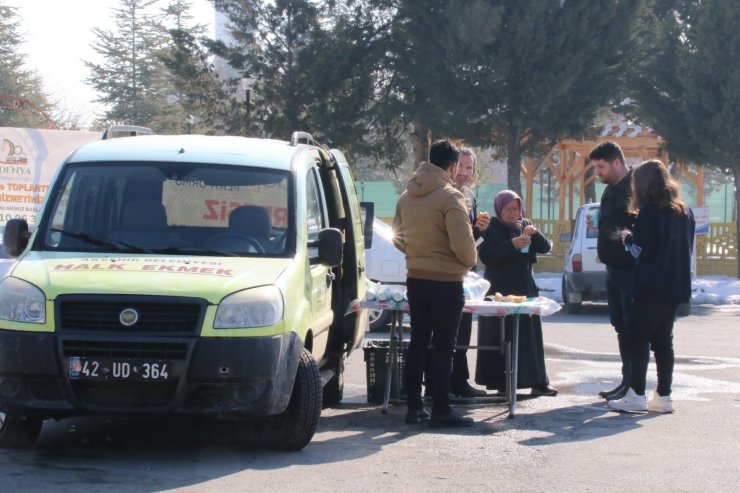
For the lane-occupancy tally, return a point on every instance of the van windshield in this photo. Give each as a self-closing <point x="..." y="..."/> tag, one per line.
<point x="169" y="208"/>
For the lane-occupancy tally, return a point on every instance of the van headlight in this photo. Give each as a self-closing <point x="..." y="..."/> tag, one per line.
<point x="21" y="301"/>
<point x="257" y="307"/>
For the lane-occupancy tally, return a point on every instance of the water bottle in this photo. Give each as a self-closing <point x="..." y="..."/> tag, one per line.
<point x="384" y="294"/>
<point x="397" y="295"/>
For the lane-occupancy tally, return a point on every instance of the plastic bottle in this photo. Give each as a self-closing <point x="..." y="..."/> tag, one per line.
<point x="397" y="295"/>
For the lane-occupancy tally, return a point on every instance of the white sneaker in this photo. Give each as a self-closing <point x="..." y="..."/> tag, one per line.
<point x="660" y="404"/>
<point x="630" y="403"/>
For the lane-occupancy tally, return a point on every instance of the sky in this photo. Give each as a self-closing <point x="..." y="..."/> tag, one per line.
<point x="58" y="37"/>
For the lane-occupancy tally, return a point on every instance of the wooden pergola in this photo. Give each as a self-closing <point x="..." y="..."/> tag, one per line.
<point x="571" y="167"/>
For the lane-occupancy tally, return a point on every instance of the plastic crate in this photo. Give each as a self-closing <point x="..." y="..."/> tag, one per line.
<point x="376" y="365"/>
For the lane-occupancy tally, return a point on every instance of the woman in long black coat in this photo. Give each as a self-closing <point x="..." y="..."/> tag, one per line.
<point x="510" y="247"/>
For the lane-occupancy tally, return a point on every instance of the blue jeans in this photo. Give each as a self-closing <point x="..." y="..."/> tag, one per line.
<point x="435" y="308"/>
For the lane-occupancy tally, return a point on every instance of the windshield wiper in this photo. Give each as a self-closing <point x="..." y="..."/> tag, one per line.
<point x="94" y="240"/>
<point x="195" y="251"/>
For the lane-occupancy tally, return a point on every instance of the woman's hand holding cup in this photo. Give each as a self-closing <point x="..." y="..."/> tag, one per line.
<point x="521" y="241"/>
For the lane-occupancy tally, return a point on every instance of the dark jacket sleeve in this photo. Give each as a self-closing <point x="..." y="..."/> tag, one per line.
<point x="496" y="245"/>
<point x="540" y="244"/>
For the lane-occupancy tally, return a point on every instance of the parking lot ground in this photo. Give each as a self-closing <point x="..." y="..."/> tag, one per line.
<point x="567" y="443"/>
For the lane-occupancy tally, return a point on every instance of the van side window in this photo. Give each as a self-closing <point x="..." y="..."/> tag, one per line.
<point x="315" y="217"/>
<point x="592" y="232"/>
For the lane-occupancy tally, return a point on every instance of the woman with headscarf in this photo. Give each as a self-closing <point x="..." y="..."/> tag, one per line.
<point x="509" y="249"/>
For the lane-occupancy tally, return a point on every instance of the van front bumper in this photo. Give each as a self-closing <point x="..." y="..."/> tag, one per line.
<point x="229" y="376"/>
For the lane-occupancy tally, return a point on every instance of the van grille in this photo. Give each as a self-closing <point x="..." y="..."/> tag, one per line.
<point x="156" y="315"/>
<point x="177" y="351"/>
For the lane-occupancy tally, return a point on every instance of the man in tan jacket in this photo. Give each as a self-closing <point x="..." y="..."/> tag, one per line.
<point x="433" y="229"/>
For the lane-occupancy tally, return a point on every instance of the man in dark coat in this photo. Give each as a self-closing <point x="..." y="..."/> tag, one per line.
<point x="610" y="168"/>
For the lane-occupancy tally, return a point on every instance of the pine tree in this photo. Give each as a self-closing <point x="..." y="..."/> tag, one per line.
<point x="204" y="99"/>
<point x="132" y="79"/>
<point x="17" y="81"/>
<point x="689" y="89"/>
<point x="541" y="71"/>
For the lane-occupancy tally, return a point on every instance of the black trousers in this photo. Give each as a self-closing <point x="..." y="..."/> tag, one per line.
<point x="652" y="328"/>
<point x="460" y="371"/>
<point x="435" y="308"/>
<point x="619" y="293"/>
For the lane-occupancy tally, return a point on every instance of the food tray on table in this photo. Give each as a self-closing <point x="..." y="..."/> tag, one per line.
<point x="533" y="306"/>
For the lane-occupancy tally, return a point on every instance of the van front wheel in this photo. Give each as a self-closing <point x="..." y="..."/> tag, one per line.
<point x="18" y="432"/>
<point x="293" y="429"/>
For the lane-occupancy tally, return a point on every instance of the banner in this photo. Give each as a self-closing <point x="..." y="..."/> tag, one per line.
<point x="701" y="216"/>
<point x="29" y="158"/>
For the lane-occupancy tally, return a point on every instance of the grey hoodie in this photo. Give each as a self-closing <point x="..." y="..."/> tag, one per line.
<point x="432" y="227"/>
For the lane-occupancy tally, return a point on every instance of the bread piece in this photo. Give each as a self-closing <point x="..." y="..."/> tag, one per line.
<point x="510" y="298"/>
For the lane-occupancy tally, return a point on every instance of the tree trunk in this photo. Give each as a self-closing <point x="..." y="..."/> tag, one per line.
<point x="736" y="172"/>
<point x="422" y="135"/>
<point x="514" y="166"/>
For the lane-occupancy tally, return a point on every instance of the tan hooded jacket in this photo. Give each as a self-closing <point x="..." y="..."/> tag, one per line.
<point x="432" y="227"/>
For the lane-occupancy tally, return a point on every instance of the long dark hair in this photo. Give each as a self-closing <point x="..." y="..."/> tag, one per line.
<point x="651" y="183"/>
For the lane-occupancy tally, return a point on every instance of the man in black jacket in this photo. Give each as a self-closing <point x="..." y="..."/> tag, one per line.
<point x="460" y="373"/>
<point x="610" y="168"/>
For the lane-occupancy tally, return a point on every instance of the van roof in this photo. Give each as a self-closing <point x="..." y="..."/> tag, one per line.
<point x="269" y="153"/>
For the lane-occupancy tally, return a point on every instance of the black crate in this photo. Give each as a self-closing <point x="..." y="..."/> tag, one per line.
<point x="376" y="364"/>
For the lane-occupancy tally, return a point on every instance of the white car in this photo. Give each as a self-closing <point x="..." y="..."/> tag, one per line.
<point x="584" y="275"/>
<point x="385" y="264"/>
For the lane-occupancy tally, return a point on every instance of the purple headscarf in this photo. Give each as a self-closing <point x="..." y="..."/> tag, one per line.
<point x="502" y="200"/>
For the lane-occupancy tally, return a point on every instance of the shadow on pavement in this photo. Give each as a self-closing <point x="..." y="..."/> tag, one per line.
<point x="578" y="423"/>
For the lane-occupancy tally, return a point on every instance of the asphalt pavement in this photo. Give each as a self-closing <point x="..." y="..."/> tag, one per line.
<point x="571" y="442"/>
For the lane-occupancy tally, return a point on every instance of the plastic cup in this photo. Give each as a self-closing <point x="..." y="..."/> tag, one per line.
<point x="524" y="249"/>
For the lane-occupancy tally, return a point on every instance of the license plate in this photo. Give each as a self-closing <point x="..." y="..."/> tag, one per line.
<point x="81" y="368"/>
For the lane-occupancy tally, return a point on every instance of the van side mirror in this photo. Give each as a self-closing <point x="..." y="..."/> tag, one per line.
<point x="566" y="237"/>
<point x="367" y="210"/>
<point x="330" y="245"/>
<point x="15" y="237"/>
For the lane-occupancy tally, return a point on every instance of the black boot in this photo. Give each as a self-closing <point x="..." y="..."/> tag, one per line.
<point x="620" y="390"/>
<point x="616" y="393"/>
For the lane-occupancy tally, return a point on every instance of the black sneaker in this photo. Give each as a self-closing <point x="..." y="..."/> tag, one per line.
<point x="468" y="391"/>
<point x="450" y="419"/>
<point x="415" y="416"/>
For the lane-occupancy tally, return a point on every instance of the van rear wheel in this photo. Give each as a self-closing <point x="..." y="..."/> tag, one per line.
<point x="18" y="432"/>
<point x="570" y="307"/>
<point x="293" y="429"/>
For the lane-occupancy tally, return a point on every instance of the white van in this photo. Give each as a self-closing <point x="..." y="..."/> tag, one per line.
<point x="386" y="264"/>
<point x="584" y="275"/>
